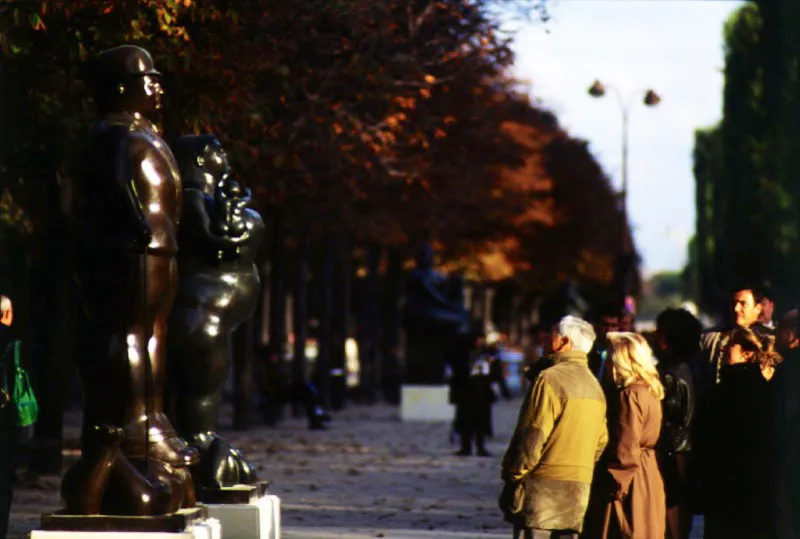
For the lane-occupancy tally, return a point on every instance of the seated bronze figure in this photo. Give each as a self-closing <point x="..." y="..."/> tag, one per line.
<point x="128" y="207"/>
<point x="218" y="289"/>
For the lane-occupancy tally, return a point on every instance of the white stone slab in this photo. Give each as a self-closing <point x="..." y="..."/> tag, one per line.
<point x="260" y="519"/>
<point x="207" y="529"/>
<point x="425" y="403"/>
<point x="204" y="529"/>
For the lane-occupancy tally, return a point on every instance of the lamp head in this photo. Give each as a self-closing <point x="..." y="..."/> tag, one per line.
<point x="597" y="89"/>
<point x="651" y="99"/>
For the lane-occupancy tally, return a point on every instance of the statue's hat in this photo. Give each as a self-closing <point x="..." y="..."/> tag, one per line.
<point x="122" y="63"/>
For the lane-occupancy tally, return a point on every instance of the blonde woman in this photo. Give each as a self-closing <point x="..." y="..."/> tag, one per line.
<point x="628" y="493"/>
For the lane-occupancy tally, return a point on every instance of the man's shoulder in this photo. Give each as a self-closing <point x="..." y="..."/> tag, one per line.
<point x="714" y="330"/>
<point x="712" y="336"/>
<point x="572" y="380"/>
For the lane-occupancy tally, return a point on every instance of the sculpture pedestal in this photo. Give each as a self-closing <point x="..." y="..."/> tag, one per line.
<point x="185" y="524"/>
<point x="426" y="403"/>
<point x="246" y="512"/>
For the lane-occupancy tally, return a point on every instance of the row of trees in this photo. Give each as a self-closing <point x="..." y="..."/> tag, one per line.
<point x="363" y="127"/>
<point x="747" y="167"/>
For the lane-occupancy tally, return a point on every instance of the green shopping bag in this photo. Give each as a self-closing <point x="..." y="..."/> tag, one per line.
<point x="19" y="398"/>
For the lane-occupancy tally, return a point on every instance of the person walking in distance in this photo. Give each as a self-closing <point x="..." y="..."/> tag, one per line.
<point x="560" y="434"/>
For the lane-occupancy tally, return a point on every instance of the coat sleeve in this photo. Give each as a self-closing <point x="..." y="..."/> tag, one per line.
<point x="625" y="443"/>
<point x="534" y="426"/>
<point x="602" y="442"/>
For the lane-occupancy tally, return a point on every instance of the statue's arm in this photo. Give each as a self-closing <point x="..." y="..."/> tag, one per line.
<point x="128" y="166"/>
<point x="436" y="294"/>
<point x="197" y="221"/>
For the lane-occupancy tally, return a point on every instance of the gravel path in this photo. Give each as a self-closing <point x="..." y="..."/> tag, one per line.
<point x="368" y="476"/>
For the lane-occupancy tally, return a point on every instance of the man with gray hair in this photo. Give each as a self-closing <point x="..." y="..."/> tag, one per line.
<point x="561" y="432"/>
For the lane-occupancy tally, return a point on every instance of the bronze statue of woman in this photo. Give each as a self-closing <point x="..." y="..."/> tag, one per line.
<point x="219" y="284"/>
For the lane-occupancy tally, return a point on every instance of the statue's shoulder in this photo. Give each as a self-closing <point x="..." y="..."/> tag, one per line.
<point x="254" y="218"/>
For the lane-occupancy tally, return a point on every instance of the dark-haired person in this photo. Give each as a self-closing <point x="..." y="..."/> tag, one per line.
<point x="736" y="461"/>
<point x="746" y="311"/>
<point x="677" y="348"/>
<point x="785" y="501"/>
<point x="767" y="307"/>
<point x="605" y="319"/>
<point x="787" y="336"/>
<point x="8" y="429"/>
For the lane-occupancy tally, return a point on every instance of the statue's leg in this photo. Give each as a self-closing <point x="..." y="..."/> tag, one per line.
<point x="141" y="490"/>
<point x="165" y="445"/>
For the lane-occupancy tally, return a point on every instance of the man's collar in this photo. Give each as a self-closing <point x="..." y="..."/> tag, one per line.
<point x="572" y="355"/>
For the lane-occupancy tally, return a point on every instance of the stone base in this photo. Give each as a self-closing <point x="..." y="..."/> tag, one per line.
<point x="259" y="519"/>
<point x="235" y="494"/>
<point x="185" y="524"/>
<point x="426" y="403"/>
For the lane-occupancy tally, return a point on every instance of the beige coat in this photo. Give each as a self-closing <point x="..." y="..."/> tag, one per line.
<point x="628" y="487"/>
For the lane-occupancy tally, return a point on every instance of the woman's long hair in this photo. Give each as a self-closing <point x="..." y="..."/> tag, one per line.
<point x="632" y="361"/>
<point x="761" y="344"/>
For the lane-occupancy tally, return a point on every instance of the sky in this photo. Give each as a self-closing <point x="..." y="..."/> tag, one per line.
<point x="671" y="46"/>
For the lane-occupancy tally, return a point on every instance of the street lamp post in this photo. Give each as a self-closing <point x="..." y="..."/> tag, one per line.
<point x="650" y="99"/>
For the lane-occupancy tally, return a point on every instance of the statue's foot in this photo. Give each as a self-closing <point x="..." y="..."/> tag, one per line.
<point x="221" y="465"/>
<point x="165" y="445"/>
<point x="135" y="489"/>
<point x="85" y="483"/>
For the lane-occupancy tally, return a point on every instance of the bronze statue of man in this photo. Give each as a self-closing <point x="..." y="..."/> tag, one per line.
<point x="129" y="206"/>
<point x="219" y="287"/>
<point x="433" y="315"/>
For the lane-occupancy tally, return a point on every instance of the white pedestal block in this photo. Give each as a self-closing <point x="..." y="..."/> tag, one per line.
<point x="260" y="519"/>
<point x="425" y="403"/>
<point x="205" y="529"/>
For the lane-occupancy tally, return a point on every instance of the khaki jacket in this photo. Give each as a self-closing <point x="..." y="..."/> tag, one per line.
<point x="561" y="433"/>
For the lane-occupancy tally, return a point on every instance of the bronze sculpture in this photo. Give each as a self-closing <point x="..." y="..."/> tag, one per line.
<point x="433" y="316"/>
<point x="127" y="215"/>
<point x="218" y="289"/>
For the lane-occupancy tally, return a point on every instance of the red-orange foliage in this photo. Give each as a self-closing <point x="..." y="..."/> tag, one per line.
<point x="388" y="120"/>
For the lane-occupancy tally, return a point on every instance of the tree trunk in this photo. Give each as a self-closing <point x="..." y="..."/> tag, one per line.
<point x="323" y="367"/>
<point x="301" y="312"/>
<point x="277" y="290"/>
<point x="370" y="379"/>
<point x="55" y="324"/>
<point x="341" y="327"/>
<point x="391" y="326"/>
<point x="488" y="308"/>
<point x="243" y="345"/>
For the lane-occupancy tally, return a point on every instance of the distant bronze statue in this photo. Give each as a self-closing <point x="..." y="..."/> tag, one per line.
<point x="128" y="209"/>
<point x="218" y="289"/>
<point x="433" y="315"/>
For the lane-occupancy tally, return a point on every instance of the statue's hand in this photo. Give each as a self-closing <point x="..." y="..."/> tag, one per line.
<point x="142" y="234"/>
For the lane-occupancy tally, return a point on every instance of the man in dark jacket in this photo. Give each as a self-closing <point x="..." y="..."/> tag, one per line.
<point x="786" y="431"/>
<point x="7" y="425"/>
<point x="747" y="300"/>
